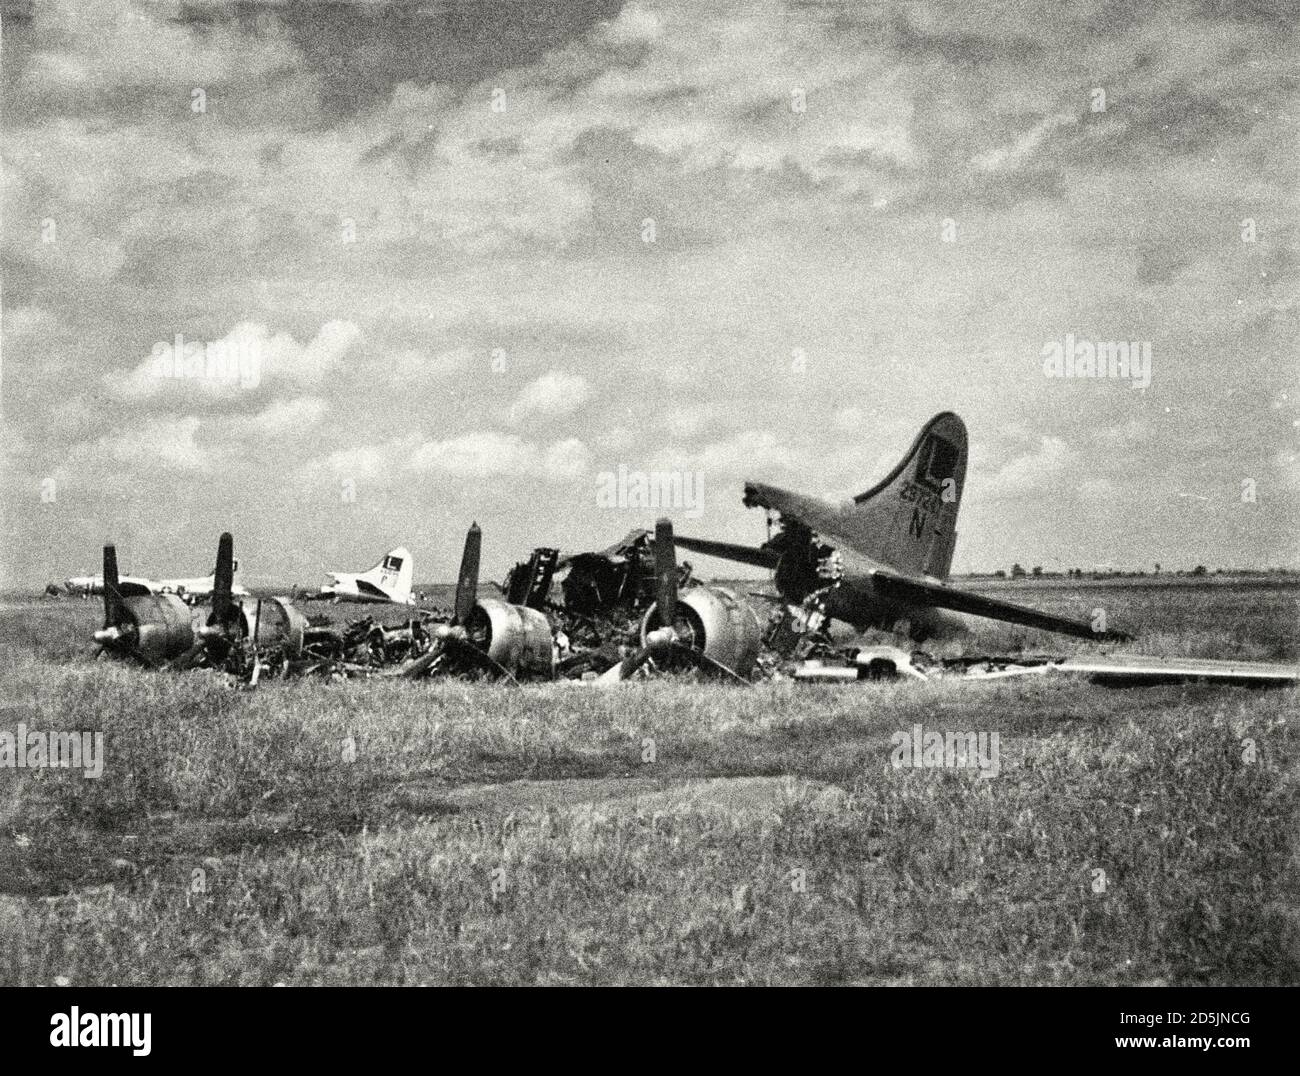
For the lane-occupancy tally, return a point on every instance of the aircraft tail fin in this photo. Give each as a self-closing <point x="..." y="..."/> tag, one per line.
<point x="393" y="575"/>
<point x="909" y="518"/>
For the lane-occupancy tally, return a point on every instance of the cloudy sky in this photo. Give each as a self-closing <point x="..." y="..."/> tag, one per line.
<point x="475" y="254"/>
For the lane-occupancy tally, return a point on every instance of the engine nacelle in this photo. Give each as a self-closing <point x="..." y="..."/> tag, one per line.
<point x="160" y="624"/>
<point x="718" y="623"/>
<point x="515" y="636"/>
<point x="280" y="623"/>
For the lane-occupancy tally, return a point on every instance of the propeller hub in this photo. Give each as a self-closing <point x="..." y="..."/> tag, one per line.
<point x="661" y="638"/>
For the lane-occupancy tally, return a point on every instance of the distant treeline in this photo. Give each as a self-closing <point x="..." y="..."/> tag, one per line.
<point x="1017" y="572"/>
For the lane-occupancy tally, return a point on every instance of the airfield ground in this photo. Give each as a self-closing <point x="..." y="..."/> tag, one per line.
<point x="382" y="832"/>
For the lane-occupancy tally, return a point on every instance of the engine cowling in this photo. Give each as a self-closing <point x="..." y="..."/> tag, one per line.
<point x="157" y="626"/>
<point x="514" y="636"/>
<point x="280" y="623"/>
<point x="718" y="623"/>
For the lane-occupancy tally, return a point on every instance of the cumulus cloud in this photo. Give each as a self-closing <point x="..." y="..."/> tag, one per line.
<point x="291" y="416"/>
<point x="237" y="362"/>
<point x="1021" y="149"/>
<point x="165" y="444"/>
<point x="487" y="454"/>
<point x="26" y="320"/>
<point x="134" y="48"/>
<point x="552" y="395"/>
<point x="740" y="85"/>
<point x="797" y="163"/>
<point x="375" y="464"/>
<point x="1044" y="469"/>
<point x="569" y="458"/>
<point x="746" y="454"/>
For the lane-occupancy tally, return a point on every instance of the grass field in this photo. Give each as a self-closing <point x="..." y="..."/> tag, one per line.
<point x="380" y="832"/>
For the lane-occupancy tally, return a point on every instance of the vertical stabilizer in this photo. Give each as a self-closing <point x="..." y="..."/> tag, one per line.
<point x="908" y="520"/>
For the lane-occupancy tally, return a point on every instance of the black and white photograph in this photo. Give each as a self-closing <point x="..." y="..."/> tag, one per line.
<point x="628" y="493"/>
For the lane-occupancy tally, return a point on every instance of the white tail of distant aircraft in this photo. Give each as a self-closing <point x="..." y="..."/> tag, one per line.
<point x="388" y="581"/>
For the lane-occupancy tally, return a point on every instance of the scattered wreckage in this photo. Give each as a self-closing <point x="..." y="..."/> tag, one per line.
<point x="619" y="612"/>
<point x="603" y="617"/>
<point x="891" y="662"/>
<point x="880" y="561"/>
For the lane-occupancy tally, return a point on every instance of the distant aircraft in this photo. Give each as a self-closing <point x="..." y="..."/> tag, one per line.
<point x="388" y="581"/>
<point x="85" y="585"/>
<point x="882" y="559"/>
<point x="192" y="589"/>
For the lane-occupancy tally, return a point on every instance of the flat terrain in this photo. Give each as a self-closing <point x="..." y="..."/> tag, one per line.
<point x="666" y="832"/>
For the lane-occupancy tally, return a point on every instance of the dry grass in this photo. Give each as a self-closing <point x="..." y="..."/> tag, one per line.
<point x="482" y="834"/>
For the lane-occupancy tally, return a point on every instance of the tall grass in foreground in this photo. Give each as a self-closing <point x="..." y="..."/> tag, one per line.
<point x="377" y="832"/>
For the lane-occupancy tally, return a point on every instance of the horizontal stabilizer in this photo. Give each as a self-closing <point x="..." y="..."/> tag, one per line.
<point x="369" y="590"/>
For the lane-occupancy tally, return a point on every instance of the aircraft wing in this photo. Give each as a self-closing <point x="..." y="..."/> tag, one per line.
<point x="915" y="591"/>
<point x="758" y="558"/>
<point x="941" y="596"/>
<point x="618" y="549"/>
<point x="1139" y="668"/>
<point x="889" y="583"/>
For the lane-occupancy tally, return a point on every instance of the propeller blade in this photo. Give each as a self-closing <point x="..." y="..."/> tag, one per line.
<point x="223" y="580"/>
<point x="616" y="674"/>
<point x="112" y="595"/>
<point x="665" y="573"/>
<point x="658" y="644"/>
<point x="257" y="658"/>
<point x="467" y="582"/>
<point x="484" y="656"/>
<point x="701" y="656"/>
<point x="187" y="659"/>
<point x="136" y="654"/>
<point x="420" y="665"/>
